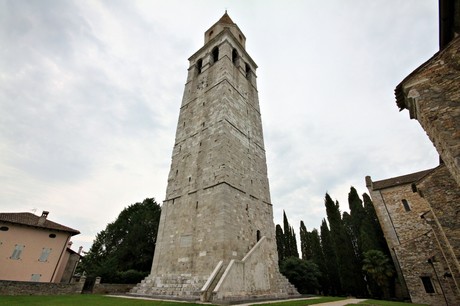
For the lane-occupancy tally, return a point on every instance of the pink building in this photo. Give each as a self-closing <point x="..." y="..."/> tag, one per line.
<point x="33" y="248"/>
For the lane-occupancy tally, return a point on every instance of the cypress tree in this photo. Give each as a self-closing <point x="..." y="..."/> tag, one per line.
<point x="280" y="243"/>
<point x="330" y="257"/>
<point x="305" y="243"/>
<point x="350" y="274"/>
<point x="317" y="256"/>
<point x="355" y="220"/>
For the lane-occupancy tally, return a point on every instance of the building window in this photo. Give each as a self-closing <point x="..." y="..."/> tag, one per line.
<point x="45" y="253"/>
<point x="429" y="288"/>
<point x="413" y="187"/>
<point x="4" y="228"/>
<point x="215" y="54"/>
<point x="405" y="204"/>
<point x="35" y="277"/>
<point x="258" y="235"/>
<point x="17" y="252"/>
<point x="248" y="71"/>
<point x="235" y="57"/>
<point x="199" y="65"/>
<point x="52" y="235"/>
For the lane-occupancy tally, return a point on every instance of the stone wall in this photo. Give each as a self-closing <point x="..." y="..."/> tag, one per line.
<point x="112" y="288"/>
<point x="420" y="246"/>
<point x="432" y="95"/>
<point x="36" y="288"/>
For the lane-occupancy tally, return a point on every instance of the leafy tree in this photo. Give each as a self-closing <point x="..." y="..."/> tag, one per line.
<point x="380" y="268"/>
<point x="303" y="274"/>
<point x="125" y="245"/>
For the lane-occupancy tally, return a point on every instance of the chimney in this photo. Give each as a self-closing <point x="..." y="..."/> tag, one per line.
<point x="43" y="217"/>
<point x="79" y="250"/>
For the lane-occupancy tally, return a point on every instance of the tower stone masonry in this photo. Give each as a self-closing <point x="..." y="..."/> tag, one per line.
<point x="216" y="238"/>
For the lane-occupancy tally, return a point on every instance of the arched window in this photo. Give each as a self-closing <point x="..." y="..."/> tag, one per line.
<point x="235" y="57"/>
<point x="199" y="65"/>
<point x="215" y="54"/>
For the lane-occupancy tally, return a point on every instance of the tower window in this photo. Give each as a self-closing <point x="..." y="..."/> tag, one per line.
<point x="405" y="204"/>
<point x="235" y="57"/>
<point x="199" y="65"/>
<point x="4" y="228"/>
<point x="210" y="34"/>
<point x="215" y="54"/>
<point x="248" y="71"/>
<point x="413" y="187"/>
<point x="241" y="38"/>
<point x="427" y="284"/>
<point x="258" y="235"/>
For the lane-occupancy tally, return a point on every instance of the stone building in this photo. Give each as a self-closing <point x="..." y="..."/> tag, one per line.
<point x="216" y="238"/>
<point x="420" y="212"/>
<point x="419" y="215"/>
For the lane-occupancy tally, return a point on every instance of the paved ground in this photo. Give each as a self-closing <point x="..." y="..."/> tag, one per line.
<point x="336" y="303"/>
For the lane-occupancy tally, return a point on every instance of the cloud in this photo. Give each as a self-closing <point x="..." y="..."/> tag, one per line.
<point x="90" y="95"/>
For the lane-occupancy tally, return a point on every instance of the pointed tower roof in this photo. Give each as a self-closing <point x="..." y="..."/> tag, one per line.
<point x="225" y="22"/>
<point x="226" y="19"/>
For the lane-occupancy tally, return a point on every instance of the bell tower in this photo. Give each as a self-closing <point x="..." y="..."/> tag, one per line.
<point x="216" y="238"/>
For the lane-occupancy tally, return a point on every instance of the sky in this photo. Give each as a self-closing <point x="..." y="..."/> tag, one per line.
<point x="90" y="94"/>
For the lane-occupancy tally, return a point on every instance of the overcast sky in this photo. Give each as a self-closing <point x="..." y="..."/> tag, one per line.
<point x="90" y="94"/>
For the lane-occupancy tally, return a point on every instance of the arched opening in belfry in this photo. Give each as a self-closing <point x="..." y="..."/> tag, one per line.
<point x="258" y="235"/>
<point x="235" y="57"/>
<point x="199" y="65"/>
<point x="248" y="71"/>
<point x="215" y="54"/>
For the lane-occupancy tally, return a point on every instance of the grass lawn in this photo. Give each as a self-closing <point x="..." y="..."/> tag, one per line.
<point x="80" y="300"/>
<point x="312" y="301"/>
<point x="386" y="303"/>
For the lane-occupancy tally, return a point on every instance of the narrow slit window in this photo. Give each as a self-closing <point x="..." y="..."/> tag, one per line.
<point x="428" y="284"/>
<point x="406" y="205"/>
<point x="235" y="57"/>
<point x="248" y="71"/>
<point x="215" y="55"/>
<point x="199" y="65"/>
<point x="258" y="235"/>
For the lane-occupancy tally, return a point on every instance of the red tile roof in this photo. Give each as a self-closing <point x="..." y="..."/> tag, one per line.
<point x="29" y="219"/>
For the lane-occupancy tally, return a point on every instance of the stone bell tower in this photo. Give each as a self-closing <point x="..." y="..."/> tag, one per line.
<point x="216" y="238"/>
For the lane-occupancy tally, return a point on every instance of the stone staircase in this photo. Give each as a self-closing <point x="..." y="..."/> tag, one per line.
<point x="179" y="287"/>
